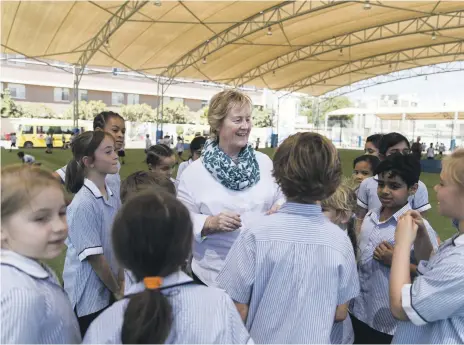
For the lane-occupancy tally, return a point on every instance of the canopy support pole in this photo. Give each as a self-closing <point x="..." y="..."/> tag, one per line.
<point x="76" y="96"/>
<point x="403" y="124"/>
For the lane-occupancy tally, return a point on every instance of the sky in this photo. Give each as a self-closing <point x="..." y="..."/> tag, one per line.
<point x="434" y="92"/>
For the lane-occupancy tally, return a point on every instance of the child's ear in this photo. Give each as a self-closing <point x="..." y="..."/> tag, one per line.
<point x="413" y="189"/>
<point x="88" y="161"/>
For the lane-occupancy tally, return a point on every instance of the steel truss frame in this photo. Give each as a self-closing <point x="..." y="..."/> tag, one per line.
<point x="424" y="71"/>
<point x="118" y="18"/>
<point x="393" y="59"/>
<point x="423" y="25"/>
<point x="272" y="16"/>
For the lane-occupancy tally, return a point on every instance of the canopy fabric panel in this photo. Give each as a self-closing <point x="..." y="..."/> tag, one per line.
<point x="306" y="46"/>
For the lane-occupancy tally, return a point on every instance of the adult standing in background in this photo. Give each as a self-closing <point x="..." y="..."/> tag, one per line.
<point x="180" y="147"/>
<point x="230" y="182"/>
<point x="416" y="148"/>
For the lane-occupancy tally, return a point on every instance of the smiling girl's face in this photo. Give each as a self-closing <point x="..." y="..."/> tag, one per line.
<point x="39" y="228"/>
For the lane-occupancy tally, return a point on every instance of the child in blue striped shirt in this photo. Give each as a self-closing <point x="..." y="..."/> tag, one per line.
<point x="34" y="307"/>
<point x="397" y="178"/>
<point x="293" y="273"/>
<point x="152" y="237"/>
<point x="340" y="208"/>
<point x="134" y="184"/>
<point x="92" y="277"/>
<point x="431" y="307"/>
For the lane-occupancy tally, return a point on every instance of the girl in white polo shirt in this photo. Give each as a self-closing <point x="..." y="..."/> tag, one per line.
<point x="34" y="307"/>
<point x="91" y="274"/>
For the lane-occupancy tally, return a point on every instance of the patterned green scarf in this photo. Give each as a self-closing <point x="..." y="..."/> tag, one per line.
<point x="234" y="176"/>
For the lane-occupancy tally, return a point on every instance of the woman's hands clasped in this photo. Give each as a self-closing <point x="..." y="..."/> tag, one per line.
<point x="225" y="221"/>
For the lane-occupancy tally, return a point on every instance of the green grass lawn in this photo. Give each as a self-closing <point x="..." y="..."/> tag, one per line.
<point x="135" y="161"/>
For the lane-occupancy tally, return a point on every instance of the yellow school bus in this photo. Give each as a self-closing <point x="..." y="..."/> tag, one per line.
<point x="32" y="133"/>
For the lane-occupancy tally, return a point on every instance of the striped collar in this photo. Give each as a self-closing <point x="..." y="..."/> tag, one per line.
<point x="302" y="209"/>
<point x="29" y="266"/>
<point x="375" y="214"/>
<point x="174" y="278"/>
<point x="94" y="189"/>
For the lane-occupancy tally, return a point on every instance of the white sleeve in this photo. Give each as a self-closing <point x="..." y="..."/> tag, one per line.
<point x="198" y="219"/>
<point x="62" y="173"/>
<point x="420" y="202"/>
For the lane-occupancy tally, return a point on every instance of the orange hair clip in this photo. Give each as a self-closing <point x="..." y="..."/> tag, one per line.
<point x="153" y="283"/>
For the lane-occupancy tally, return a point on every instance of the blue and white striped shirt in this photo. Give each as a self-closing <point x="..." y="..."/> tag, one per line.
<point x="201" y="315"/>
<point x="372" y="306"/>
<point x="90" y="218"/>
<point x="34" y="307"/>
<point x="368" y="198"/>
<point x="293" y="268"/>
<point x="434" y="302"/>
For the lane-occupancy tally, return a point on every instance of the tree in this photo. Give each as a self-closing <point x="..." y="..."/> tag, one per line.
<point x="138" y="113"/>
<point x="306" y="108"/>
<point x="87" y="110"/>
<point x="201" y="116"/>
<point x="262" y="118"/>
<point x="316" y="111"/>
<point x="341" y="120"/>
<point x="9" y="106"/>
<point x="175" y="112"/>
<point x="38" y="111"/>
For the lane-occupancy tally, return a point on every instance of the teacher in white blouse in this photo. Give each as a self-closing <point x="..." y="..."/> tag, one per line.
<point x="227" y="185"/>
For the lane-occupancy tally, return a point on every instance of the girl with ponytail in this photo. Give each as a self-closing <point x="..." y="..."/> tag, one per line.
<point x="114" y="124"/>
<point x="92" y="278"/>
<point x="152" y="237"/>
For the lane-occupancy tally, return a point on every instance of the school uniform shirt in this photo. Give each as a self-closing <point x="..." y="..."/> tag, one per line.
<point x="48" y="140"/>
<point x="13" y="139"/>
<point x="129" y="281"/>
<point x="182" y="167"/>
<point x="204" y="196"/>
<point x="28" y="159"/>
<point x="34" y="307"/>
<point x="430" y="152"/>
<point x="90" y="218"/>
<point x="201" y="315"/>
<point x="113" y="180"/>
<point x="434" y="302"/>
<point x="292" y="268"/>
<point x="147" y="143"/>
<point x="342" y="332"/>
<point x="372" y="306"/>
<point x="369" y="200"/>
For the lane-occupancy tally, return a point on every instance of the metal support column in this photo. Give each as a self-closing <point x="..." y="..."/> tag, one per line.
<point x="76" y="70"/>
<point x="158" y="119"/>
<point x="453" y="131"/>
<point x="403" y="123"/>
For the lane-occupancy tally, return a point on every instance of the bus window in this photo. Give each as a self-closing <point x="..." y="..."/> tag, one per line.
<point x="42" y="129"/>
<point x="27" y="129"/>
<point x="66" y="130"/>
<point x="56" y="130"/>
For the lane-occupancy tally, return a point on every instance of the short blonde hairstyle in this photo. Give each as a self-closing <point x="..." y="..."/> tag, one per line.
<point x="343" y="201"/>
<point x="20" y="183"/>
<point x="454" y="166"/>
<point x="221" y="104"/>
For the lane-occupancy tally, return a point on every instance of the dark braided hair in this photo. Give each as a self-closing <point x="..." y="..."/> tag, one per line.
<point x="99" y="121"/>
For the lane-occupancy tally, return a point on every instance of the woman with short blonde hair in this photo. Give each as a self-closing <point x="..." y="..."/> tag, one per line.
<point x="227" y="185"/>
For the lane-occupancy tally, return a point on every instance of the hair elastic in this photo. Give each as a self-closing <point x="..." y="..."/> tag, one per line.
<point x="153" y="283"/>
